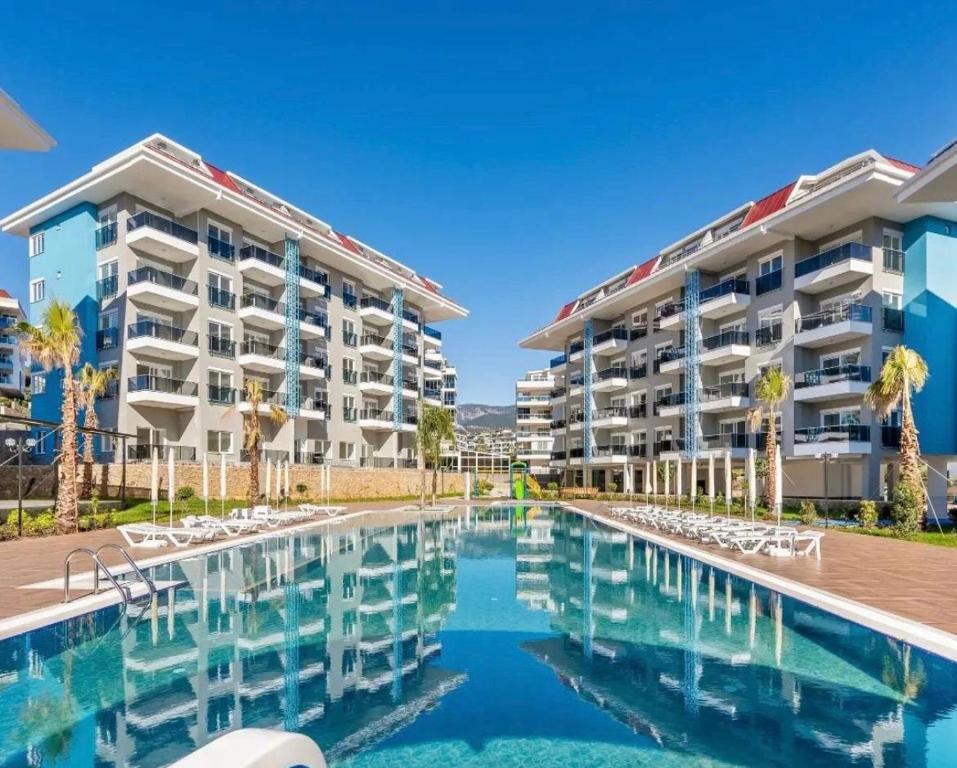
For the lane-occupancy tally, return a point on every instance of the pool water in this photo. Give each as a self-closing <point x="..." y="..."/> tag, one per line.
<point x="523" y="636"/>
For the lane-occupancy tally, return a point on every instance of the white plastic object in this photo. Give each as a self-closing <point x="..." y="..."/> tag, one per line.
<point x="256" y="748"/>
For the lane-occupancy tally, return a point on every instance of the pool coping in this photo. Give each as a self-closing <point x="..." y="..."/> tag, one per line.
<point x="937" y="641"/>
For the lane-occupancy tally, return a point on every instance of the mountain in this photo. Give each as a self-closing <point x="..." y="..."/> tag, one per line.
<point x="478" y="416"/>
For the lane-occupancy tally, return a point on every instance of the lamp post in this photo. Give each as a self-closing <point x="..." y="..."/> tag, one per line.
<point x="827" y="500"/>
<point x="19" y="446"/>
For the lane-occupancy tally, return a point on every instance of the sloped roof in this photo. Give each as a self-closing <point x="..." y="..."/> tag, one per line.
<point x="768" y="205"/>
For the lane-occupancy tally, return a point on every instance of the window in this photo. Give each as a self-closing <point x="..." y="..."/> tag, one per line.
<point x="347" y="451"/>
<point x="640" y="319"/>
<point x="38" y="383"/>
<point x="38" y="290"/>
<point x="841" y="418"/>
<point x="769" y="325"/>
<point x="107" y="320"/>
<point x="37" y="243"/>
<point x="349" y="333"/>
<point x="219" y="241"/>
<point x="841" y="359"/>
<point x="348" y="370"/>
<point x="892" y="299"/>
<point x="220" y="387"/>
<point x="219" y="442"/>
<point x="770" y="264"/>
<point x="220" y="290"/>
<point x="348" y="293"/>
<point x="109" y="269"/>
<point x="220" y="339"/>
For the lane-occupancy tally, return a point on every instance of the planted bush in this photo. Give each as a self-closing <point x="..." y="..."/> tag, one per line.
<point x="808" y="512"/>
<point x="907" y="509"/>
<point x="185" y="493"/>
<point x="867" y="515"/>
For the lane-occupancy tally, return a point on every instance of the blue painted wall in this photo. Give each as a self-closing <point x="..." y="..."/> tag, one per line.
<point x="930" y="326"/>
<point x="68" y="264"/>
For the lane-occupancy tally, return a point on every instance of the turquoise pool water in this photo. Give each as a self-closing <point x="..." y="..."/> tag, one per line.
<point x="521" y="636"/>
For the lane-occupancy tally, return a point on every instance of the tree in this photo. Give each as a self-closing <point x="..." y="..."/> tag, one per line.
<point x="55" y="343"/>
<point x="904" y="372"/>
<point x="770" y="391"/>
<point x="252" y="430"/>
<point x="436" y="425"/>
<point x="93" y="384"/>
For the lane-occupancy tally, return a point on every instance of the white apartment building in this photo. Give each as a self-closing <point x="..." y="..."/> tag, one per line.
<point x="12" y="373"/>
<point x="533" y="419"/>
<point x="191" y="280"/>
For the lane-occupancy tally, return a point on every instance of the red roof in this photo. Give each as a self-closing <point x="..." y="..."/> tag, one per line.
<point x="901" y="164"/>
<point x="565" y="311"/>
<point x="344" y="239"/>
<point x="223" y="178"/>
<point x="4" y="294"/>
<point x="429" y="285"/>
<point x="642" y="271"/>
<point x="768" y="205"/>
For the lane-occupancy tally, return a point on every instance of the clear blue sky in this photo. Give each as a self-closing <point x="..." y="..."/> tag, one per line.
<point x="518" y="155"/>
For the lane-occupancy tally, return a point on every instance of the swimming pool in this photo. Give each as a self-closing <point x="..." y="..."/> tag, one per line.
<point x="522" y="636"/>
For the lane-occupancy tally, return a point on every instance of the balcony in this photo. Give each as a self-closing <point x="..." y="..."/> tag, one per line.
<point x="156" y="288"/>
<point x="262" y="357"/>
<point x="609" y="417"/>
<point x="313" y="325"/>
<point x="107" y="338"/>
<point x="532" y="400"/>
<point x="410" y="389"/>
<point x="145" y="451"/>
<point x="638" y="450"/>
<point x="221" y="299"/>
<point x="431" y="336"/>
<point x="410" y="354"/>
<point x="107" y="287"/>
<point x="610" y="454"/>
<point x="375" y="347"/>
<point x="736" y="442"/>
<point x="611" y="341"/>
<point x="768" y="335"/>
<point x="610" y="379"/>
<point x="670" y="405"/>
<point x="313" y="409"/>
<point x="432" y="397"/>
<point x="770" y="281"/>
<point x="841" y="439"/>
<point x="262" y="311"/>
<point x="891" y="436"/>
<point x="527" y="417"/>
<point x="558" y="393"/>
<point x="161" y="392"/>
<point x="261" y="265"/>
<point x="638" y="411"/>
<point x="830" y="383"/>
<point x="148" y="233"/>
<point x="376" y="311"/>
<point x="220" y="249"/>
<point x="313" y="282"/>
<point x="220" y="346"/>
<point x="850" y="321"/>
<point x="670" y="360"/>
<point x="557" y="457"/>
<point x="723" y="397"/>
<point x="270" y="399"/>
<point x="845" y="264"/>
<point x="668" y="447"/>
<point x="637" y="372"/>
<point x="558" y="362"/>
<point x="557" y="425"/>
<point x="105" y="235"/>
<point x="411" y="321"/>
<point x="535" y="383"/>
<point x="671" y="316"/>
<point x="725" y="347"/>
<point x="726" y="298"/>
<point x="893" y="261"/>
<point x="168" y="342"/>
<point x="376" y="420"/>
<point x="312" y="366"/>
<point x="218" y="395"/>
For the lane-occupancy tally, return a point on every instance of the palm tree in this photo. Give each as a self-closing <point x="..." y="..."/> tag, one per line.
<point x="93" y="384"/>
<point x="56" y="344"/>
<point x="770" y="391"/>
<point x="904" y="372"/>
<point x="252" y="430"/>
<point x="436" y="426"/>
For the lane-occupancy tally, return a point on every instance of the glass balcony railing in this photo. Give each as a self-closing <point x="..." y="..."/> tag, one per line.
<point x="557" y="424"/>
<point x="555" y="362"/>
<point x="267" y="397"/>
<point x="639" y="332"/>
<point x="372" y="377"/>
<point x="374" y="340"/>
<point x="833" y="433"/>
<point x="557" y="393"/>
<point x="576" y="347"/>
<point x="265" y="303"/>
<point x="108" y="287"/>
<point x="432" y="394"/>
<point x="149" y="383"/>
<point x="262" y="348"/>
<point x="890" y="436"/>
<point x="314" y="275"/>
<point x="221" y="298"/>
<point x="349" y="300"/>
<point x="374" y="302"/>
<point x="668" y="355"/>
<point x="831" y="375"/>
<point x="221" y="346"/>
<point x="106" y="235"/>
<point x="221" y="395"/>
<point x="765" y="283"/>
<point x="312" y="361"/>
<point x="614" y="412"/>
<point x="262" y="255"/>
<point x="769" y="334"/>
<point x="220" y="249"/>
<point x="375" y="414"/>
<point x="616" y="372"/>
<point x="107" y="338"/>
<point x="410" y="316"/>
<point x="638" y="411"/>
<point x="892" y="319"/>
<point x="350" y="339"/>
<point x="161" y="224"/>
<point x="155" y="330"/>
<point x="724" y="440"/>
<point x="432" y="333"/>
<point x="670" y="400"/>
<point x="638" y="372"/>
<point x="310" y="317"/>
<point x="558" y="455"/>
<point x="842" y="253"/>
<point x="723" y="391"/>
<point x="144" y="452"/>
<point x="162" y="279"/>
<point x="613" y="334"/>
<point x="725" y="339"/>
<point x="671" y="309"/>
<point x="855" y="312"/>
<point x="724" y="288"/>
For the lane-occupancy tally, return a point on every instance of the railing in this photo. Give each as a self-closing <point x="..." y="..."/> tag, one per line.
<point x="160" y="224"/>
<point x="432" y="333"/>
<point x="315" y="275"/>
<point x="433" y="364"/>
<point x="349" y="376"/>
<point x="890" y="436"/>
<point x="221" y="346"/>
<point x="144" y="452"/>
<point x="410" y="385"/>
<point x="608" y="451"/>
<point x="372" y="377"/>
<point x="668" y="444"/>
<point x="432" y="394"/>
<point x="262" y="348"/>
<point x="220" y="249"/>
<point x="893" y="261"/>
<point x="107" y="287"/>
<point x="348" y="414"/>
<point x="371" y="339"/>
<point x="533" y="399"/>
<point x="576" y="347"/>
<point x="722" y="391"/>
<point x="107" y="338"/>
<point x="410" y="316"/>
<point x="892" y="319"/>
<point x="671" y="309"/>
<point x="312" y="361"/>
<point x="832" y="374"/>
<point x="612" y="334"/>
<point x="266" y="303"/>
<point x="350" y="300"/>
<point x="220" y="395"/>
<point x="670" y="400"/>
<point x="106" y="235"/>
<point x="725" y="339"/>
<point x="856" y="312"/>
<point x="313" y="404"/>
<point x="374" y="302"/>
<point x="668" y="355"/>
<point x="833" y="256"/>
<point x="576" y="453"/>
<point x="638" y="371"/>
<point x="638" y="449"/>
<point x="161" y="331"/>
<point x="266" y="454"/>
<point x="724" y="440"/>
<point x="638" y="411"/>
<point x="557" y="424"/>
<point x="770" y="281"/>
<point x="616" y="372"/>
<point x="558" y="456"/>
<point x="836" y="433"/>
<point x="221" y="298"/>
<point x="639" y="332"/>
<point x="261" y="254"/>
<point x="724" y="288"/>
<point x="266" y="397"/>
<point x="557" y="393"/>
<point x="150" y="383"/>
<point x="410" y="349"/>
<point x="162" y="279"/>
<point x="770" y="334"/>
<point x="615" y="412"/>
<point x="318" y="319"/>
<point x="375" y="414"/>
<point x="555" y="362"/>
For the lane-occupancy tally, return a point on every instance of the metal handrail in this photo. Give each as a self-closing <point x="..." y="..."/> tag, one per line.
<point x="97" y="564"/>
<point x="147" y="582"/>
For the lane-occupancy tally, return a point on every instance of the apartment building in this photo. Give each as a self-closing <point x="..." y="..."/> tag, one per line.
<point x="12" y="374"/>
<point x="18" y="131"/>
<point x="191" y="281"/>
<point x="821" y="278"/>
<point x="441" y="377"/>
<point x="533" y="420"/>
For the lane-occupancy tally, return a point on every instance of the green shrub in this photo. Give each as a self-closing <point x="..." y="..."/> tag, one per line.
<point x="301" y="488"/>
<point x="612" y="487"/>
<point x="907" y="509"/>
<point x="185" y="493"/>
<point x="867" y="514"/>
<point x="552" y="486"/>
<point x="808" y="512"/>
<point x="40" y="524"/>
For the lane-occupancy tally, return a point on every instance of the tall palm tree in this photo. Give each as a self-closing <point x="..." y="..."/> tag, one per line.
<point x="55" y="343"/>
<point x="436" y="425"/>
<point x="93" y="384"/>
<point x="770" y="391"/>
<point x="252" y="430"/>
<point x="904" y="372"/>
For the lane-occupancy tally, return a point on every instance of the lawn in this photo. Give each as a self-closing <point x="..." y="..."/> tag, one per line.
<point x="946" y="539"/>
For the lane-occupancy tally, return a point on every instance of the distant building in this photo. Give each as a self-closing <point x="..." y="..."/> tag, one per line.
<point x="533" y="418"/>
<point x="13" y="378"/>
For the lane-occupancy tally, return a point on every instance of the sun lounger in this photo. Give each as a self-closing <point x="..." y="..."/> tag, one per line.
<point x="318" y="509"/>
<point x="157" y="535"/>
<point x="227" y="526"/>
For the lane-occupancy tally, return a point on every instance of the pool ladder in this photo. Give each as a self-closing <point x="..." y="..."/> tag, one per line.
<point x="98" y="565"/>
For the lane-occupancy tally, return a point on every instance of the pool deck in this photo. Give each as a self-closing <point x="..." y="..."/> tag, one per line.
<point x="897" y="578"/>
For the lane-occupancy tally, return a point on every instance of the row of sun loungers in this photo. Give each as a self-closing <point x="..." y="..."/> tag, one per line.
<point x="750" y="538"/>
<point x="200" y="528"/>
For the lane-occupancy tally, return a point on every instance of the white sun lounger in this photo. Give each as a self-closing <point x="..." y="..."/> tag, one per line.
<point x="157" y="535"/>
<point x="318" y="509"/>
<point x="227" y="526"/>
